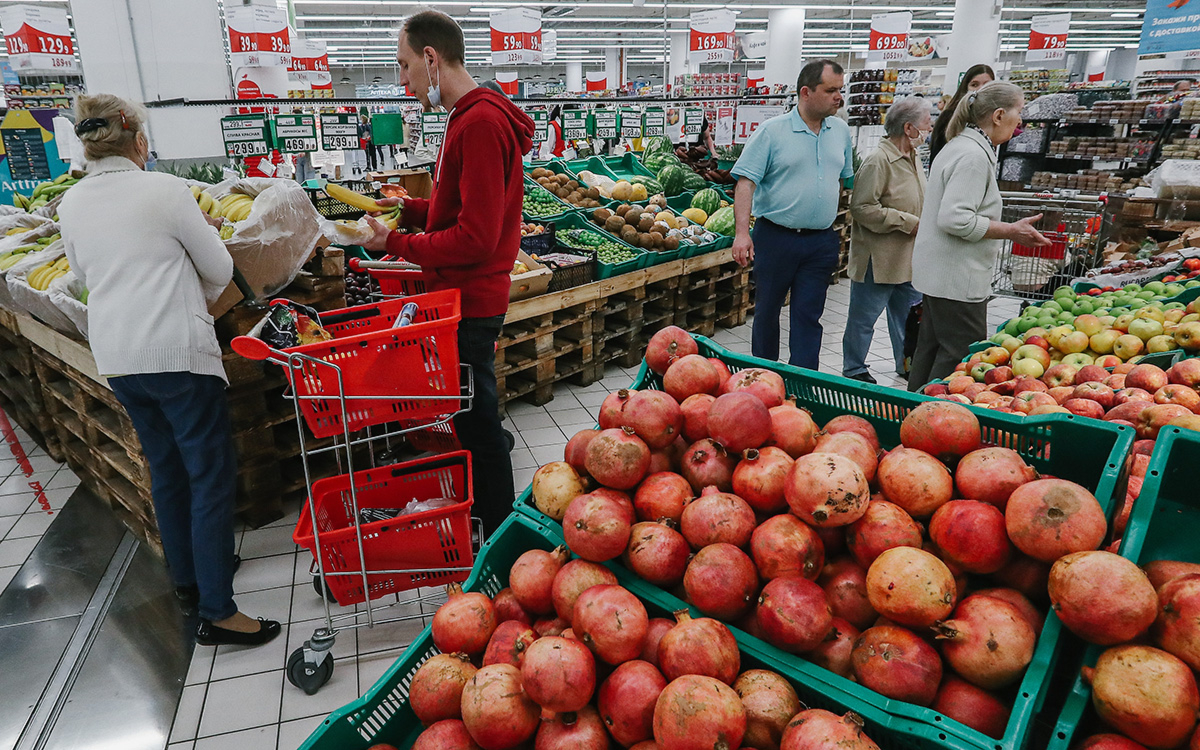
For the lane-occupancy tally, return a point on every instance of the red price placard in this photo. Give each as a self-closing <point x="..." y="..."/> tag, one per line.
<point x="240" y="41"/>
<point x="1047" y="41"/>
<point x="276" y="42"/>
<point x="711" y="36"/>
<point x="509" y="41"/>
<point x="885" y="42"/>
<point x="704" y="42"/>
<point x="1048" y="37"/>
<point x="40" y="38"/>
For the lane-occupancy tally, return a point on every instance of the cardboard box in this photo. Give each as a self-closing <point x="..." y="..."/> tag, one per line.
<point x="530" y="284"/>
<point x="232" y="295"/>
<point x="418" y="182"/>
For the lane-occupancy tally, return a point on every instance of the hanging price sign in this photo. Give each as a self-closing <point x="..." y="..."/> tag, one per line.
<point x="339" y="131"/>
<point x="711" y="36"/>
<point x="541" y="126"/>
<point x="631" y="123"/>
<point x="1048" y="37"/>
<point x="245" y="135"/>
<point x="693" y="121"/>
<point x="606" y="123"/>
<point x="597" y="80"/>
<point x="654" y="123"/>
<point x="258" y="36"/>
<point x="749" y="118"/>
<point x="38" y="38"/>
<point x="296" y="134"/>
<point x="433" y="128"/>
<point x="574" y="125"/>
<point x="889" y="36"/>
<point x="517" y="36"/>
<point x="310" y="63"/>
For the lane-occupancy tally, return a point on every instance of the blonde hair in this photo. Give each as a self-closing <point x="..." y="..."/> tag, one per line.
<point x="978" y="107"/>
<point x="124" y="121"/>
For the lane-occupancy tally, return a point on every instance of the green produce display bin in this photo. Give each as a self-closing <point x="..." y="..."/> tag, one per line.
<point x="594" y="164"/>
<point x="566" y="207"/>
<point x="627" y="167"/>
<point x="576" y="220"/>
<point x="1086" y="451"/>
<point x="1162" y="526"/>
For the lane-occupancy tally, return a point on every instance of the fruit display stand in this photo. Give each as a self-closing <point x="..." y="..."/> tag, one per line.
<point x="627" y="167"/>
<point x="1065" y="446"/>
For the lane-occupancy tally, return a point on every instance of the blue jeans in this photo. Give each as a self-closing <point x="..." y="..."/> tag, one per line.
<point x="479" y="430"/>
<point x="182" y="420"/>
<point x="867" y="300"/>
<point x="785" y="260"/>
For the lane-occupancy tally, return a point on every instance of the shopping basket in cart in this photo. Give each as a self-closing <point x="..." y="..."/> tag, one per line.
<point x="1073" y="227"/>
<point x="396" y="278"/>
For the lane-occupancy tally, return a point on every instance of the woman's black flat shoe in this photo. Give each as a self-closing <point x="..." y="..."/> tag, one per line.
<point x="208" y="634"/>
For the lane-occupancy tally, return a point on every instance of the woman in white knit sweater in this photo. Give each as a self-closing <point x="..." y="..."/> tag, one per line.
<point x="150" y="260"/>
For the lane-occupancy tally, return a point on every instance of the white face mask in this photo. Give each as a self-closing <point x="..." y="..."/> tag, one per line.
<point x="435" y="90"/>
<point x="921" y="139"/>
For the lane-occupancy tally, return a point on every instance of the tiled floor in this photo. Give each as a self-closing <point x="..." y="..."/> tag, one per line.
<point x="240" y="698"/>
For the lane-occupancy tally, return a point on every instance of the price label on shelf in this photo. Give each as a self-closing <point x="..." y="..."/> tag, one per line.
<point x="296" y="134"/>
<point x="516" y="35"/>
<point x="310" y="62"/>
<point x="1048" y="37"/>
<point x="433" y="128"/>
<point x="258" y="36"/>
<point x="245" y="135"/>
<point x="654" y="123"/>
<point x="631" y="123"/>
<point x="38" y="38"/>
<point x="889" y="36"/>
<point x="711" y="36"/>
<point x="606" y="123"/>
<point x="693" y="121"/>
<point x="574" y="125"/>
<point x="339" y="131"/>
<point x="541" y="126"/>
<point x="749" y="118"/>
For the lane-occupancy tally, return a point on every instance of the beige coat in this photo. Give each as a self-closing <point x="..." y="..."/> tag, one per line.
<point x="889" y="190"/>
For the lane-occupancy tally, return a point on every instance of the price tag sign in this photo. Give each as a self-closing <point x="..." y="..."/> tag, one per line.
<point x="541" y="126"/>
<point x="1048" y="37"/>
<point x="310" y="63"/>
<point x="693" y="121"/>
<point x="296" y="134"/>
<point x="631" y="123"/>
<point x="711" y="38"/>
<point x="245" y="135"/>
<point x="38" y="38"/>
<point x="606" y="123"/>
<point x="889" y="36"/>
<point x="433" y="128"/>
<point x="258" y="36"/>
<point x="749" y="118"/>
<point x="339" y="131"/>
<point x="597" y="80"/>
<point x="574" y="125"/>
<point x="654" y="123"/>
<point x="516" y="36"/>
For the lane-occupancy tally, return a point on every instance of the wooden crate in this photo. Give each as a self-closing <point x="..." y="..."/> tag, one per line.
<point x="545" y="348"/>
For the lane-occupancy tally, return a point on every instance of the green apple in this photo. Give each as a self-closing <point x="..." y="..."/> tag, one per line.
<point x="1066" y="316"/>
<point x="1102" y="343"/>
<point x="1031" y="311"/>
<point x="1174" y="306"/>
<point x="1052" y="307"/>
<point x="1128" y="346"/>
<point x="1026" y="323"/>
<point x="1192" y="284"/>
<point x="1082" y="306"/>
<point x="1151" y="311"/>
<point x="1145" y="328"/>
<point x="1156" y="287"/>
<point x="1089" y="324"/>
<point x="1161" y="343"/>
<point x="1132" y="288"/>
<point x="1013" y="327"/>
<point x="1137" y="304"/>
<point x="1173" y="289"/>
<point x="1144" y="295"/>
<point x="1077" y="360"/>
<point x="1064" y="291"/>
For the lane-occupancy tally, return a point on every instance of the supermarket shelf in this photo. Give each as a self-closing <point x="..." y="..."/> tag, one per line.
<point x="169" y="103"/>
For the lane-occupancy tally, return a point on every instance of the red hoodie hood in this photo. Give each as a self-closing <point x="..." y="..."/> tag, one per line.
<point x="522" y="124"/>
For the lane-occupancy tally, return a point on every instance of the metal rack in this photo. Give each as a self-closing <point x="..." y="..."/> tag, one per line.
<point x="1075" y="228"/>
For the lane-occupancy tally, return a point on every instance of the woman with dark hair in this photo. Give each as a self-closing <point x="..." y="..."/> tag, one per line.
<point x="975" y="77"/>
<point x="557" y="144"/>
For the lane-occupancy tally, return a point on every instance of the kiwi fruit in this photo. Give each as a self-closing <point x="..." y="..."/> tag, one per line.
<point x="629" y="234"/>
<point x="572" y="184"/>
<point x="602" y="215"/>
<point x="594" y="193"/>
<point x="614" y="224"/>
<point x="562" y="179"/>
<point x="623" y="209"/>
<point x="645" y="223"/>
<point x="646" y="240"/>
<point x="670" y="243"/>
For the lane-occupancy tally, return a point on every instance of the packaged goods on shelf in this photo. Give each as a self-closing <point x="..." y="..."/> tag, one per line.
<point x="1051" y="106"/>
<point x="1017" y="169"/>
<point x="1036" y="83"/>
<point x="1181" y="148"/>
<point x="1102" y="148"/>
<point x="872" y="91"/>
<point x="1028" y="141"/>
<point x="1089" y="181"/>
<point x="1118" y="110"/>
<point x="1161" y="111"/>
<point x="1190" y="109"/>
<point x="708" y="84"/>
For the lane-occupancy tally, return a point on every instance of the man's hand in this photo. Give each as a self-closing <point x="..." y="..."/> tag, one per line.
<point x="1022" y="232"/>
<point x="743" y="250"/>
<point x="378" y="241"/>
<point x="389" y="202"/>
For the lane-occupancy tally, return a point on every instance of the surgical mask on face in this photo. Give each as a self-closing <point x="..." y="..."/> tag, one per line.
<point x="151" y="160"/>
<point x="435" y="90"/>
<point x="921" y="139"/>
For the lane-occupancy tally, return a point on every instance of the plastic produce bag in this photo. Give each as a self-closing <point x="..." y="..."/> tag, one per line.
<point x="37" y="302"/>
<point x="41" y="230"/>
<point x="64" y="293"/>
<point x="342" y="233"/>
<point x="1177" y="178"/>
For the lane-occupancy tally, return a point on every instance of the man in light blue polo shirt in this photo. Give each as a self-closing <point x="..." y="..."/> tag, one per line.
<point x="790" y="177"/>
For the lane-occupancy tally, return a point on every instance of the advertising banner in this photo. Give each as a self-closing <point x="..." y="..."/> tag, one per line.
<point x="1169" y="26"/>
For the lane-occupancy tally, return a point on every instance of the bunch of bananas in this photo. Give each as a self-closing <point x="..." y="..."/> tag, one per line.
<point x="353" y="199"/>
<point x="41" y="277"/>
<point x="12" y="257"/>
<point x="235" y="207"/>
<point x="227" y="231"/>
<point x="44" y="192"/>
<point x="207" y="203"/>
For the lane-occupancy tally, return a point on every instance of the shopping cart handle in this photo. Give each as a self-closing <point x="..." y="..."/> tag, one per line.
<point x="251" y="347"/>
<point x="382" y="265"/>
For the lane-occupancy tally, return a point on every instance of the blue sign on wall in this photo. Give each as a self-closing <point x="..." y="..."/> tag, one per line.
<point x="1169" y="28"/>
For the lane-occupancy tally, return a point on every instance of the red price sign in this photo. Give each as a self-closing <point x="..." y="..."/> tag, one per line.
<point x="258" y="36"/>
<point x="508" y="42"/>
<point x="1048" y="37"/>
<point x="240" y="41"/>
<point x="516" y="37"/>
<point x="749" y="118"/>
<point x="885" y="42"/>
<point x="40" y="40"/>
<point x="711" y="36"/>
<point x="1047" y="41"/>
<point x="276" y="42"/>
<point x="889" y="36"/>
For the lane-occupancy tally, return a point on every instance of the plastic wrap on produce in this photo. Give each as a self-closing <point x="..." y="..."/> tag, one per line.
<point x="12" y="221"/>
<point x="41" y="229"/>
<point x="11" y="211"/>
<point x="1142" y="275"/>
<point x="64" y="293"/>
<point x="50" y="210"/>
<point x="1050" y="106"/>
<point x="347" y="233"/>
<point x="271" y="245"/>
<point x="34" y="301"/>
<point x="1177" y="178"/>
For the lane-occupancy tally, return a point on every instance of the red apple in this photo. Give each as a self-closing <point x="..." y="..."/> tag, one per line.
<point x="957" y="397"/>
<point x="1153" y="419"/>
<point x="987" y="397"/>
<point x="959" y="383"/>
<point x="1084" y="407"/>
<point x="1090" y="374"/>
<point x="1047" y="409"/>
<point x="1060" y="375"/>
<point x="1061" y="393"/>
<point x="1128" y="411"/>
<point x="1098" y="392"/>
<point x="1123" y="368"/>
<point x="1000" y="374"/>
<point x="1039" y="341"/>
<point x="1180" y="395"/>
<point x="1185" y="372"/>
<point x="1027" y="401"/>
<point x="994" y="355"/>
<point x="973" y="390"/>
<point x="1141" y="464"/>
<point x="1108" y="360"/>
<point x="1022" y="384"/>
<point x="1127" y="394"/>
<point x="1116" y="382"/>
<point x="1188" y="423"/>
<point x="936" y="389"/>
<point x="1147" y="377"/>
<point x="1145" y="447"/>
<point x="1006" y="388"/>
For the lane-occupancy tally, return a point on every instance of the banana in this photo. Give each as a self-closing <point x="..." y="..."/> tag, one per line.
<point x="205" y="201"/>
<point x="20" y="201"/>
<point x="63" y="178"/>
<point x="353" y="199"/>
<point x="231" y="202"/>
<point x="195" y="191"/>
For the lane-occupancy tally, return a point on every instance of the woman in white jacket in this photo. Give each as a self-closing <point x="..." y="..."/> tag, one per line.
<point x="150" y="260"/>
<point x="961" y="233"/>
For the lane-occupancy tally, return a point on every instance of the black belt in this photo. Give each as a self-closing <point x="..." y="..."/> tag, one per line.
<point x="799" y="232"/>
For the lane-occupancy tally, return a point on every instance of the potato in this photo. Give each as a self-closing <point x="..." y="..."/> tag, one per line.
<point x="670" y="243"/>
<point x="623" y="209"/>
<point x="602" y="215"/>
<point x="645" y="223"/>
<point x="630" y="235"/>
<point x="646" y="240"/>
<point x="614" y="224"/>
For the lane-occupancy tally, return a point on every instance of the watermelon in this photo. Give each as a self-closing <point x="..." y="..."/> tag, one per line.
<point x="721" y="222"/>
<point x="655" y="162"/>
<point x="693" y="181"/>
<point x="707" y="200"/>
<point x="671" y="178"/>
<point x="657" y="145"/>
<point x="653" y="186"/>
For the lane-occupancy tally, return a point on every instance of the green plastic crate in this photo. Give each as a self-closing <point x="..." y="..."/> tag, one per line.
<point x="1086" y="451"/>
<point x="1162" y="526"/>
<point x="566" y="207"/>
<point x="594" y="164"/>
<point x="627" y="167"/>
<point x="384" y="714"/>
<point x="576" y="220"/>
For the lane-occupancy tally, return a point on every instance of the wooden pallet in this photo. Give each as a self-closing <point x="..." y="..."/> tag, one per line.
<point x="536" y="352"/>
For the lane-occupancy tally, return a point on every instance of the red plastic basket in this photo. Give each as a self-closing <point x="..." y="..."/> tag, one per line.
<point x="437" y="439"/>
<point x="398" y="283"/>
<point x="1056" y="250"/>
<point x="418" y="360"/>
<point x="438" y="538"/>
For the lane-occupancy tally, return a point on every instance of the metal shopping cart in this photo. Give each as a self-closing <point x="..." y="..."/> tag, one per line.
<point x="391" y="369"/>
<point x="1073" y="226"/>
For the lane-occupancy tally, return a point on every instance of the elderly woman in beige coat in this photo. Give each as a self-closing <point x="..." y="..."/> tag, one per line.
<point x="889" y="189"/>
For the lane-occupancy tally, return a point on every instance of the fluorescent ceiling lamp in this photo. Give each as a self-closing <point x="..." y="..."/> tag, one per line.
<point x="1124" y="14"/>
<point x="485" y="10"/>
<point x="944" y="13"/>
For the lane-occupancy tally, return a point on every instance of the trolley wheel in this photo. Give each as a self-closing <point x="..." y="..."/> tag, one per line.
<point x="305" y="676"/>
<point x="323" y="590"/>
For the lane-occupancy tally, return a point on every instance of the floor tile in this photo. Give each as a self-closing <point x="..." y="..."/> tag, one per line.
<point x="577" y="419"/>
<point x="200" y="667"/>
<point x="392" y="636"/>
<point x="543" y="436"/>
<point x="593" y="399"/>
<point x="273" y="540"/>
<point x="18" y="483"/>
<point x="522" y="479"/>
<point x="65" y="479"/>
<point x="15" y="505"/>
<point x="189" y="745"/>
<point x="242" y="703"/>
<point x="6" y="575"/>
<point x="261" y="573"/>
<point x="236" y="661"/>
<point x="30" y="524"/>
<point x="16" y="551"/>
<point x="545" y="454"/>
<point x="522" y="458"/>
<point x="373" y="666"/>
<point x="340" y="690"/>
<point x="533" y="420"/>
<point x="307" y="606"/>
<point x="563" y="401"/>
<point x="292" y="734"/>
<point x="187" y="716"/>
<point x="262" y="737"/>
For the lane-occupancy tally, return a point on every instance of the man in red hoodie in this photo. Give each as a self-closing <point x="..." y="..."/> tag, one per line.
<point x="472" y="229"/>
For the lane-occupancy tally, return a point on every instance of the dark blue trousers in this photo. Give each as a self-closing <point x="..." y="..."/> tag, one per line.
<point x="786" y="261"/>
<point x="182" y="420"/>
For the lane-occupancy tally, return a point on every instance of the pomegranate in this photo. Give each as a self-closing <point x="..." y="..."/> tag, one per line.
<point x="464" y="623"/>
<point x="508" y="643"/>
<point x="689" y="375"/>
<point x="1026" y="575"/>
<point x="1049" y="518"/>
<point x="1163" y="571"/>
<point x="896" y="663"/>
<point x="661" y="496"/>
<point x="626" y="701"/>
<point x="972" y="706"/>
<point x="449" y="734"/>
<point x="721" y="582"/>
<point x="496" y="709"/>
<point x="760" y="477"/>
<point x="572" y="580"/>
<point x="612" y="410"/>
<point x="717" y="517"/>
<point x="818" y="729"/>
<point x="699" y="646"/>
<point x="834" y="539"/>
<point x="911" y="587"/>
<point x="1032" y="614"/>
<point x="991" y="474"/>
<point x="559" y="674"/>
<point x="845" y="585"/>
<point x="946" y="430"/>
<point x="548" y="626"/>
<point x="1102" y="597"/>
<point x="722" y="370"/>
<point x="764" y="384"/>
<point x="770" y="702"/>
<point x="618" y="458"/>
<point x="1146" y="694"/>
<point x="596" y="527"/>
<point x="575" y="452"/>
<point x="884" y="526"/>
<point x="611" y="622"/>
<point x="667" y="345"/>
<point x="971" y="534"/>
<point x="436" y="690"/>
<point x="696" y="712"/>
<point x="852" y="445"/>
<point x="583" y="731"/>
<point x="1109" y="742"/>
<point x="834" y="652"/>
<point x="915" y="480"/>
<point x="739" y="421"/>
<point x="856" y="425"/>
<point x="508" y="608"/>
<point x="793" y="614"/>
<point x="657" y="628"/>
<point x="988" y="642"/>
<point x="825" y="489"/>
<point x="532" y="578"/>
<point x="706" y="463"/>
<point x="1178" y="628"/>
<point x="654" y="417"/>
<point x="784" y="545"/>
<point x="792" y="429"/>
<point x="695" y="416"/>
<point x="660" y="461"/>
<point x="657" y="553"/>
<point x="554" y="486"/>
